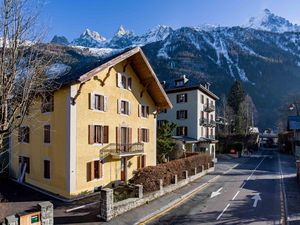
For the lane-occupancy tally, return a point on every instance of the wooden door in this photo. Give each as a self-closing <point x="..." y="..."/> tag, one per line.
<point x="123" y="169"/>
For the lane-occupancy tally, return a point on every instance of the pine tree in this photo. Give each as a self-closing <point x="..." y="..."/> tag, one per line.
<point x="236" y="96"/>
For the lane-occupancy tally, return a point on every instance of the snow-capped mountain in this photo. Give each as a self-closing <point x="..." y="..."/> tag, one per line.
<point x="122" y="38"/>
<point x="266" y="58"/>
<point x="60" y="40"/>
<point x="90" y="39"/>
<point x="273" y="23"/>
<point x="158" y="33"/>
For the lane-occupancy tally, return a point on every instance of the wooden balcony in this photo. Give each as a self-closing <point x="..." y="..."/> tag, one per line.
<point x="122" y="150"/>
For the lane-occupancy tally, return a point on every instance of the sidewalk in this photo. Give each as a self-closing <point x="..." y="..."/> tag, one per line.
<point x="135" y="215"/>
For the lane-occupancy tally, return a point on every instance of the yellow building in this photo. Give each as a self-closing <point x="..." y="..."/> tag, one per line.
<point x="95" y="130"/>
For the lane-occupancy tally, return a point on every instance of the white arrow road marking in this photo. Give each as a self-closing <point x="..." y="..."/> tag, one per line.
<point x="256" y="198"/>
<point x="215" y="193"/>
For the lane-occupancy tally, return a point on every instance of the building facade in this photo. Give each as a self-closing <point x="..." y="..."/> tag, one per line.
<point x="92" y="132"/>
<point x="194" y="114"/>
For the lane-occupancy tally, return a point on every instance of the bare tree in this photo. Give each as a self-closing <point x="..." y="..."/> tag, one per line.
<point x="248" y="112"/>
<point x="22" y="68"/>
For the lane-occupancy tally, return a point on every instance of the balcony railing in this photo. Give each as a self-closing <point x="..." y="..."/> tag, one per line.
<point x="207" y="123"/>
<point x="209" y="107"/>
<point x="213" y="137"/>
<point x="123" y="149"/>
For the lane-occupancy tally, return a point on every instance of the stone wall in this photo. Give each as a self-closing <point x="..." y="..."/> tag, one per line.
<point x="46" y="218"/>
<point x="109" y="209"/>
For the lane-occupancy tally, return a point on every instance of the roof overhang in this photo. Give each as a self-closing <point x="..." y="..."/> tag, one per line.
<point x="190" y="88"/>
<point x="143" y="69"/>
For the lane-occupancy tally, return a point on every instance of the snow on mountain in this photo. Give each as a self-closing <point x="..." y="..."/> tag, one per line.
<point x="158" y="33"/>
<point x="98" y="52"/>
<point x="57" y="69"/>
<point x="122" y="38"/>
<point x="90" y="39"/>
<point x="271" y="22"/>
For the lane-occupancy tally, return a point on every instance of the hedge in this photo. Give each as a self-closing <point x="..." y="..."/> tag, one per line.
<point x="149" y="176"/>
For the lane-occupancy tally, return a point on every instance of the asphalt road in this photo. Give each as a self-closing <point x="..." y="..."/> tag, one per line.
<point x="251" y="193"/>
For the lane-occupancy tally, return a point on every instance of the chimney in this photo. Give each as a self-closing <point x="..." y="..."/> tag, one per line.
<point x="207" y="85"/>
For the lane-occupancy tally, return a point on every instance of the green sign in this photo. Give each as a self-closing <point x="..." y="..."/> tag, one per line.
<point x="34" y="219"/>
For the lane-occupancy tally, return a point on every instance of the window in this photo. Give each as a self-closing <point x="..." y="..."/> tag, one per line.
<point x="123" y="107"/>
<point x="143" y="135"/>
<point x="47" y="103"/>
<point x="202" y="99"/>
<point x="181" y="131"/>
<point x="47" y="169"/>
<point x="143" y="111"/>
<point x="181" y="98"/>
<point x="23" y="136"/>
<point x="179" y="83"/>
<point x="141" y="161"/>
<point x="211" y="117"/>
<point x="25" y="160"/>
<point x="124" y="81"/>
<point x="98" y="102"/>
<point x="47" y="132"/>
<point x="98" y="134"/>
<point x="181" y="114"/>
<point x="95" y="170"/>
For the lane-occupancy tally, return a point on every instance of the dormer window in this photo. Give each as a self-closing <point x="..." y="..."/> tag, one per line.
<point x="179" y="83"/>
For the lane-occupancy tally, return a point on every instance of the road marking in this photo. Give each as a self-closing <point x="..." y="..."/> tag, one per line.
<point x="223" y="211"/>
<point x="256" y="198"/>
<point x="215" y="193"/>
<point x="283" y="202"/>
<point x="174" y="204"/>
<point x="235" y="195"/>
<point x="241" y="187"/>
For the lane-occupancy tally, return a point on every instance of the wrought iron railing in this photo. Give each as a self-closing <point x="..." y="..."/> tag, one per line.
<point x="114" y="148"/>
<point x="204" y="122"/>
<point x="209" y="107"/>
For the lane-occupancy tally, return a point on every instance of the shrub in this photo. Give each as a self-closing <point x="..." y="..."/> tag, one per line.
<point x="149" y="176"/>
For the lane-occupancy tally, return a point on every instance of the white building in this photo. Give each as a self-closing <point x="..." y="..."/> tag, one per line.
<point x="194" y="114"/>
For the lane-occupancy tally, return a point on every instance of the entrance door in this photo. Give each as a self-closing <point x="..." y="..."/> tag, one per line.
<point x="123" y="169"/>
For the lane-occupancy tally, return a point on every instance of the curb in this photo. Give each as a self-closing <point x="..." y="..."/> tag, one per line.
<point x="179" y="200"/>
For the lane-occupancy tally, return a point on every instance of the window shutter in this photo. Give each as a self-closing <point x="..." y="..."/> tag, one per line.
<point x="100" y="168"/>
<point x="92" y="100"/>
<point x="129" y="135"/>
<point x="138" y="162"/>
<point x="118" y="137"/>
<point x="143" y="161"/>
<point x="119" y="106"/>
<point x="177" y="97"/>
<point x="147" y="110"/>
<point x="147" y="135"/>
<point x="92" y="170"/>
<point x="119" y="80"/>
<point x="177" y="114"/>
<point x="91" y="134"/>
<point x="185" y="97"/>
<point x="105" y="103"/>
<point x="139" y="135"/>
<point x="88" y="171"/>
<point x="129" y="83"/>
<point x="186" y="114"/>
<point x="140" y="110"/>
<point x="129" y="108"/>
<point x="106" y="136"/>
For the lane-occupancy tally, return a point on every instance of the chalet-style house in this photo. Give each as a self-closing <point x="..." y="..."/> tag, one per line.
<point x="94" y="131"/>
<point x="194" y="114"/>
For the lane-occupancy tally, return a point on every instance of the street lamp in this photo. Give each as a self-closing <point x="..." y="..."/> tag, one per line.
<point x="294" y="106"/>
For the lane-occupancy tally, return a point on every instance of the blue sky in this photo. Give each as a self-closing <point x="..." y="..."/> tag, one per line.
<point x="71" y="17"/>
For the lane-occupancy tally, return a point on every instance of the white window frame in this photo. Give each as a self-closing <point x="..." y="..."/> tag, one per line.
<point x="102" y="129"/>
<point x="119" y="81"/>
<point x="141" y="129"/>
<point x="45" y="124"/>
<point x="93" y="102"/>
<point x="140" y="112"/>
<point x="120" y="109"/>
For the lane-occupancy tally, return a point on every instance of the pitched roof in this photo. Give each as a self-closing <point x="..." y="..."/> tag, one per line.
<point x="138" y="61"/>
